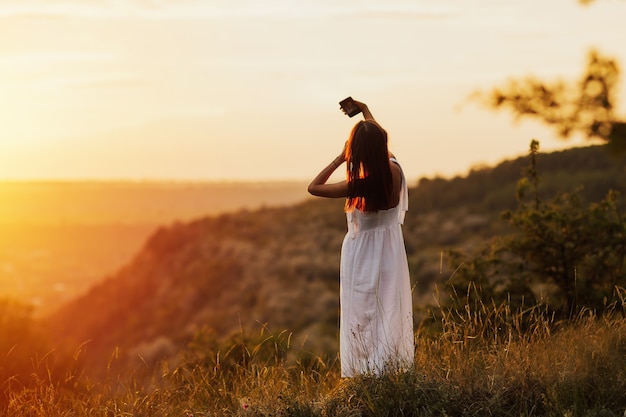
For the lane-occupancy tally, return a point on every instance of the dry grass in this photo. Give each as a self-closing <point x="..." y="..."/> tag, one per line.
<point x="483" y="360"/>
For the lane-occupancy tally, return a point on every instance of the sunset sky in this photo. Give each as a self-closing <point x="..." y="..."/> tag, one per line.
<point x="248" y="89"/>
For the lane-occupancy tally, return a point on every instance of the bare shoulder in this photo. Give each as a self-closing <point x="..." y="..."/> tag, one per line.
<point x="396" y="173"/>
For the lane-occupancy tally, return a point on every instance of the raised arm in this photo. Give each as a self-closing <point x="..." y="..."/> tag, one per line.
<point x="367" y="114"/>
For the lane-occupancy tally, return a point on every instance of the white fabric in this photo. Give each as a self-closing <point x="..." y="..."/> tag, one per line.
<point x="376" y="327"/>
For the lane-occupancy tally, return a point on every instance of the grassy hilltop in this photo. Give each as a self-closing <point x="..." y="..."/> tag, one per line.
<point x="237" y="314"/>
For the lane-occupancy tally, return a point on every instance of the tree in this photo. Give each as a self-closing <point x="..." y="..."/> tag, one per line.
<point x="565" y="252"/>
<point x="585" y="107"/>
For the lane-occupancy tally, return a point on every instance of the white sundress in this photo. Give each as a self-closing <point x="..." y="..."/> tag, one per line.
<point x="376" y="325"/>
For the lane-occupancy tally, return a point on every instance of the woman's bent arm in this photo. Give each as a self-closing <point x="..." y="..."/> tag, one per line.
<point x="318" y="186"/>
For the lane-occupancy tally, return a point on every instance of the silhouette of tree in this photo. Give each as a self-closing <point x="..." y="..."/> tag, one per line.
<point x="585" y="107"/>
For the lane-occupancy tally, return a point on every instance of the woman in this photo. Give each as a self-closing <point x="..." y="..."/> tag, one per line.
<point x="376" y="327"/>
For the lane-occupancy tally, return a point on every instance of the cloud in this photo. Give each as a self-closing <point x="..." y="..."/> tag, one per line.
<point x="43" y="8"/>
<point x="203" y="9"/>
<point x="47" y="57"/>
<point x="41" y="66"/>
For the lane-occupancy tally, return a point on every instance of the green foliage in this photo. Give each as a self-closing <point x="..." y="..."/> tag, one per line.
<point x="578" y="248"/>
<point x="493" y="189"/>
<point x="565" y="252"/>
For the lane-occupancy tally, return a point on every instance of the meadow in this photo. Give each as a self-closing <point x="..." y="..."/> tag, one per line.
<point x="482" y="360"/>
<point x="499" y="330"/>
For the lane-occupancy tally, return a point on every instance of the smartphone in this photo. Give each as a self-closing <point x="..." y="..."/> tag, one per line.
<point x="349" y="107"/>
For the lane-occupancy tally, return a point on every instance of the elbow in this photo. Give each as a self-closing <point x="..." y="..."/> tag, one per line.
<point x="318" y="190"/>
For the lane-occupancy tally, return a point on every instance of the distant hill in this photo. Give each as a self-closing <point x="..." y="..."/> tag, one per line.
<point x="134" y="202"/>
<point x="58" y="238"/>
<point x="279" y="267"/>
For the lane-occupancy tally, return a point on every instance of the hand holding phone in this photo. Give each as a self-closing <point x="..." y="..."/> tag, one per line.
<point x="349" y="107"/>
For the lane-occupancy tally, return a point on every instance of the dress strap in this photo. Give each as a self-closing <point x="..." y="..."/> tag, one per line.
<point x="352" y="225"/>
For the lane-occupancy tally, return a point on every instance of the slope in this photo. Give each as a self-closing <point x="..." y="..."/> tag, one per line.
<point x="277" y="268"/>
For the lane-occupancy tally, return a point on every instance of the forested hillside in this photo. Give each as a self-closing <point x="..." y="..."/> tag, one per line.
<point x="278" y="267"/>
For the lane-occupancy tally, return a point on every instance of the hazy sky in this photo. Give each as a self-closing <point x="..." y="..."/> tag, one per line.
<point x="248" y="89"/>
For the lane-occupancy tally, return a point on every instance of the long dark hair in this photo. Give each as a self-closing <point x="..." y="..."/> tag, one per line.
<point x="370" y="182"/>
